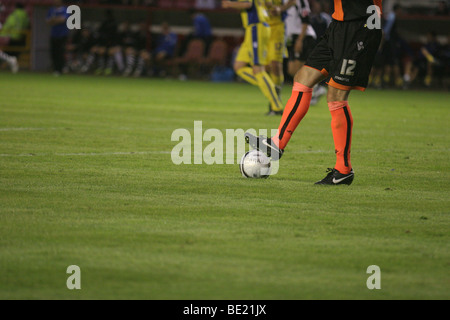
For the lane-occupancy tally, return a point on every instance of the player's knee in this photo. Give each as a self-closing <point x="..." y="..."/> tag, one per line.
<point x="258" y="69"/>
<point x="335" y="94"/>
<point x="308" y="76"/>
<point x="238" y="65"/>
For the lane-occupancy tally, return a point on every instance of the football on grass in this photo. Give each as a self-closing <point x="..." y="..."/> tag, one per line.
<point x="255" y="164"/>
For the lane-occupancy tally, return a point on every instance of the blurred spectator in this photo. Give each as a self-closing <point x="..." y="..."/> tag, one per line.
<point x="201" y="30"/>
<point x="12" y="33"/>
<point x="202" y="26"/>
<point x="390" y="52"/>
<point x="165" y="50"/>
<point x="443" y="56"/>
<point x="154" y="62"/>
<point x="56" y="18"/>
<point x="428" y="60"/>
<point x="443" y="9"/>
<point x="106" y="50"/>
<point x="110" y="44"/>
<point x="128" y="2"/>
<point x="377" y="68"/>
<point x="328" y="6"/>
<point x="396" y="51"/>
<point x="205" y="4"/>
<point x="431" y="51"/>
<point x="110" y="1"/>
<point x="134" y="45"/>
<point x="79" y="48"/>
<point x="319" y="19"/>
<point x="15" y="26"/>
<point x="300" y="35"/>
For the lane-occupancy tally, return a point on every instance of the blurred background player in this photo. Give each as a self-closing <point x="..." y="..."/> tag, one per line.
<point x="164" y="51"/>
<point x="56" y="18"/>
<point x="396" y="52"/>
<point x="300" y="34"/>
<point x="113" y="49"/>
<point x="319" y="18"/>
<point x="277" y="43"/>
<point x="443" y="8"/>
<point x="429" y="59"/>
<point x="301" y="40"/>
<point x="320" y="21"/>
<point x="346" y="65"/>
<point x="12" y="33"/>
<point x="107" y="46"/>
<point x="134" y="47"/>
<point x="252" y="55"/>
<point x="201" y="29"/>
<point x="205" y="4"/>
<point x="78" y="50"/>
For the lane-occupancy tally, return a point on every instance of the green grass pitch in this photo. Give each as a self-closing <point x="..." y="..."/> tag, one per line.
<point x="86" y="179"/>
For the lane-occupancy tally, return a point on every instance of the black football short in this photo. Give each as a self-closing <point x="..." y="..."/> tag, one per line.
<point x="346" y="53"/>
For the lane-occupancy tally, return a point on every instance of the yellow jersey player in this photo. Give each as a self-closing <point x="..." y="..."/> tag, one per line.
<point x="253" y="54"/>
<point x="277" y="43"/>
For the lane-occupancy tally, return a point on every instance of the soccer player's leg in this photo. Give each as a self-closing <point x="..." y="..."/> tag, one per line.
<point x="257" y="76"/>
<point x="351" y="72"/>
<point x="253" y="52"/>
<point x="267" y="87"/>
<point x="245" y="72"/>
<point x="144" y="59"/>
<point x="276" y="53"/>
<point x="313" y="72"/>
<point x="114" y="54"/>
<point x="90" y="59"/>
<point x="244" y="59"/>
<point x="101" y="62"/>
<point x="260" y="45"/>
<point x="342" y="129"/>
<point x="298" y="104"/>
<point x="11" y="60"/>
<point x="295" y="110"/>
<point x="276" y="74"/>
<point x="130" y="61"/>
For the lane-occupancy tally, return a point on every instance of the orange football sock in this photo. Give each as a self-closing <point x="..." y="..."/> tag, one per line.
<point x="341" y="125"/>
<point x="296" y="108"/>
